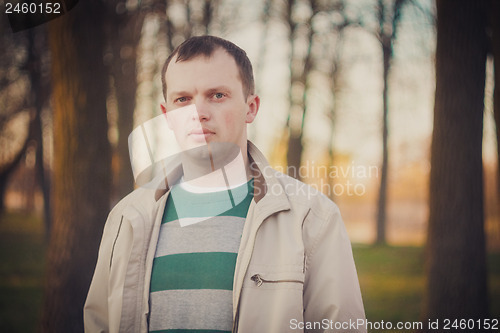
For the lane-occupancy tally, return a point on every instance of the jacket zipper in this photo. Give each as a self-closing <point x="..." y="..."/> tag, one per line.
<point x="257" y="278"/>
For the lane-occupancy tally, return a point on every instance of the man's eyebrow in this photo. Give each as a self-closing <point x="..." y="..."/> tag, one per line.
<point x="218" y="89"/>
<point x="177" y="93"/>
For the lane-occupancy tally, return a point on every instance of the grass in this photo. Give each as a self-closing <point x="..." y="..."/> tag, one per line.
<point x="392" y="278"/>
<point x="392" y="282"/>
<point x="22" y="262"/>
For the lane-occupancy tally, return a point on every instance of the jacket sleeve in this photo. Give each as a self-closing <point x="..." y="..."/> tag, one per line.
<point x="95" y="311"/>
<point x="331" y="289"/>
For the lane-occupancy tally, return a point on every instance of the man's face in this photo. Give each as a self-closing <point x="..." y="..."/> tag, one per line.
<point x="214" y="87"/>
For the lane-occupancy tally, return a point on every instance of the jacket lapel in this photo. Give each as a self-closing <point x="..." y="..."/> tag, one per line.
<point x="269" y="198"/>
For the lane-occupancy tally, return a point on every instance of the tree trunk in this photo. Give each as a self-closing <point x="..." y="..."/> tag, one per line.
<point x="125" y="40"/>
<point x="7" y="171"/>
<point x="495" y="46"/>
<point x="300" y="69"/>
<point x="39" y="96"/>
<point x="42" y="174"/>
<point x="294" y="149"/>
<point x="386" y="38"/>
<point x="456" y="263"/>
<point x="336" y="90"/>
<point x="382" y="199"/>
<point x="81" y="185"/>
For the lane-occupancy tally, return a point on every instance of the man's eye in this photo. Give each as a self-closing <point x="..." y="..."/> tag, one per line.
<point x="181" y="100"/>
<point x="219" y="95"/>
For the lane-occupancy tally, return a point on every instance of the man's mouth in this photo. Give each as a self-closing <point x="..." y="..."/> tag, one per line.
<point x="201" y="131"/>
<point x="201" y="134"/>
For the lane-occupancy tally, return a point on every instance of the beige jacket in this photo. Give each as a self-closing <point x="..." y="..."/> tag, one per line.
<point x="294" y="271"/>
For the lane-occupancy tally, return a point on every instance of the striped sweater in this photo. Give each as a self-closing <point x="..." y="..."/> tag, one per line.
<point x="192" y="277"/>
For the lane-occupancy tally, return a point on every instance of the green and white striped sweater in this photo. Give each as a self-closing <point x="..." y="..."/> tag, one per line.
<point x="192" y="277"/>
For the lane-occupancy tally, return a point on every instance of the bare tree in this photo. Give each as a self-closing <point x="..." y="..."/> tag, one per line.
<point x="494" y="23"/>
<point x="124" y="26"/>
<point x="301" y="36"/>
<point x="81" y="182"/>
<point x="14" y="86"/>
<point x="335" y="74"/>
<point x="388" y="15"/>
<point x="39" y="95"/>
<point x="456" y="258"/>
<point x="9" y="166"/>
<point x="23" y="90"/>
<point x="199" y="16"/>
<point x="310" y="47"/>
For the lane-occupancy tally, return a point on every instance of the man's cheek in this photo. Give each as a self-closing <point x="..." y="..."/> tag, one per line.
<point x="229" y="122"/>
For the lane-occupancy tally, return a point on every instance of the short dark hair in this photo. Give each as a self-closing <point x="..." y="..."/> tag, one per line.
<point x="206" y="46"/>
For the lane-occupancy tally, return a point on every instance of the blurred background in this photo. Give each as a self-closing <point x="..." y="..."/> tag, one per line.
<point x="386" y="106"/>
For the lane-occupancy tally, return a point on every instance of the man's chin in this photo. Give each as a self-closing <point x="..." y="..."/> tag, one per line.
<point x="192" y="143"/>
<point x="219" y="153"/>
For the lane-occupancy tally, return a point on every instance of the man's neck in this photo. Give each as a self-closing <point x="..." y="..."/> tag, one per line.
<point x="216" y="170"/>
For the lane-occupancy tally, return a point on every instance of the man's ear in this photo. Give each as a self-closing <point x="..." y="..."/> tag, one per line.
<point x="253" y="102"/>
<point x="164" y="111"/>
<point x="163" y="108"/>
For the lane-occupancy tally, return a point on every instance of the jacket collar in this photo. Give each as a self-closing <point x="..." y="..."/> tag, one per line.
<point x="267" y="188"/>
<point x="267" y="185"/>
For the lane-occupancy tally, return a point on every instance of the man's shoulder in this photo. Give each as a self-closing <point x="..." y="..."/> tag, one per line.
<point x="141" y="198"/>
<point x="301" y="193"/>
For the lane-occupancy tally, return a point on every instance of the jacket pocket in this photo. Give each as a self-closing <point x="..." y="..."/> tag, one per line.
<point x="271" y="298"/>
<point x="271" y="279"/>
<point x="259" y="280"/>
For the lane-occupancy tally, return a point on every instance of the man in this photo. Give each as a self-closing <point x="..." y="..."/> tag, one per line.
<point x="228" y="244"/>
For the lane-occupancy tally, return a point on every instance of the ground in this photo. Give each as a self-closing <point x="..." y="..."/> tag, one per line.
<point x="391" y="277"/>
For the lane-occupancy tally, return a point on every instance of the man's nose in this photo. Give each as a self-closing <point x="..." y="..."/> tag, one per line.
<point x="202" y="111"/>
